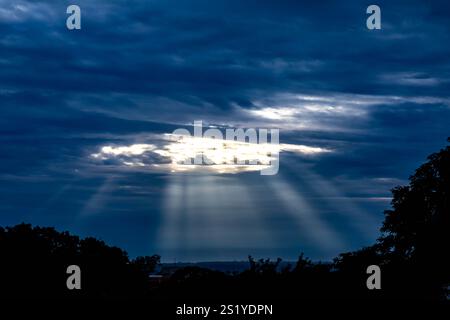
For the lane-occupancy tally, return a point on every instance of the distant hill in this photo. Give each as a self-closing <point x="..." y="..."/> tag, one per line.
<point x="222" y="266"/>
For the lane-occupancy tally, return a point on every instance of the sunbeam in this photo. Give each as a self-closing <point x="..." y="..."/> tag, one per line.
<point x="306" y="218"/>
<point x="209" y="213"/>
<point x="98" y="200"/>
<point x="358" y="219"/>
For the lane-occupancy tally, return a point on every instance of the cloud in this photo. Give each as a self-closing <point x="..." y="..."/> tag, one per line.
<point x="411" y="79"/>
<point x="176" y="153"/>
<point x="225" y="55"/>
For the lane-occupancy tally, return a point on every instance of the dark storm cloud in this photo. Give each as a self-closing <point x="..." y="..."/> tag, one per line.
<point x="221" y="53"/>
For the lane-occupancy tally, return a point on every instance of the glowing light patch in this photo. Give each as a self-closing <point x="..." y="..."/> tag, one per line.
<point x="274" y="113"/>
<point x="133" y="150"/>
<point x="180" y="153"/>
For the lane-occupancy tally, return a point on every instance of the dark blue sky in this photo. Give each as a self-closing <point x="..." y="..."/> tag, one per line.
<point x="378" y="101"/>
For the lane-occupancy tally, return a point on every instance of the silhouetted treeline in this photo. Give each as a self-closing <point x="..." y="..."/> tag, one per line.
<point x="34" y="263"/>
<point x="412" y="251"/>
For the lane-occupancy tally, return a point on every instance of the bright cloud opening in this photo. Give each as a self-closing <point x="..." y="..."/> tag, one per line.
<point x="178" y="153"/>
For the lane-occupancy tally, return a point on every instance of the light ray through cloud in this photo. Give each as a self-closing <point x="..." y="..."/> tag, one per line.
<point x="308" y="222"/>
<point x="99" y="199"/>
<point x="209" y="212"/>
<point x="360" y="220"/>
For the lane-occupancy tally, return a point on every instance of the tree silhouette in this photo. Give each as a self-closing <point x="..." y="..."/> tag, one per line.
<point x="147" y="264"/>
<point x="34" y="263"/>
<point x="416" y="232"/>
<point x="418" y="223"/>
<point x="414" y="246"/>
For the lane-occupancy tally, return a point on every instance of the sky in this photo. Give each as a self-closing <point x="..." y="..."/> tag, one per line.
<point x="87" y="116"/>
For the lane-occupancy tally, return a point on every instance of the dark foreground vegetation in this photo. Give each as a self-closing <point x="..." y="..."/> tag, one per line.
<point x="412" y="251"/>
